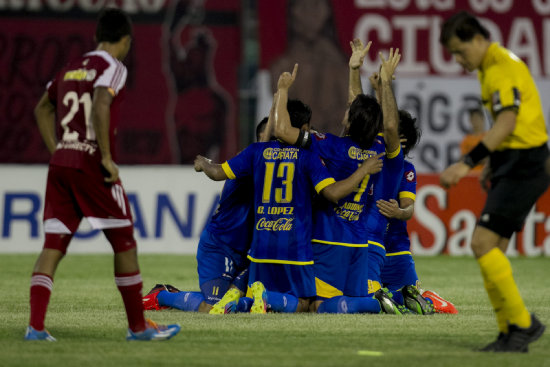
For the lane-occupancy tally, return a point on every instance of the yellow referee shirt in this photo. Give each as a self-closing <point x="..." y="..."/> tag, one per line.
<point x="506" y="83"/>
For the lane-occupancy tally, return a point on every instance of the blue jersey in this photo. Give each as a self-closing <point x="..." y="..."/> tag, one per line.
<point x="232" y="222"/>
<point x="385" y="186"/>
<point x="397" y="238"/>
<point x="344" y="224"/>
<point x="283" y="178"/>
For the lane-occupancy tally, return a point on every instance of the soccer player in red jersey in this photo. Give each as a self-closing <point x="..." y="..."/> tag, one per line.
<point x="83" y="177"/>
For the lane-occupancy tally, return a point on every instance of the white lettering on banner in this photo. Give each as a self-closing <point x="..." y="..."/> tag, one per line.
<point x="546" y="242"/>
<point x="437" y="60"/>
<point x="429" y="220"/>
<point x="522" y="39"/>
<point x="130" y="6"/>
<point x="402" y="4"/>
<point x="463" y="224"/>
<point x="541" y="6"/>
<point x="498" y="6"/>
<point x="529" y="238"/>
<point x="410" y="26"/>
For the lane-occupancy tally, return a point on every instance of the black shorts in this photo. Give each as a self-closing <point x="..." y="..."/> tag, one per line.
<point x="509" y="201"/>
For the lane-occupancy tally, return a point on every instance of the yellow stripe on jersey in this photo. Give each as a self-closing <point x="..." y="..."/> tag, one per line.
<point x="228" y="171"/>
<point x="399" y="253"/>
<point x="275" y="261"/>
<point x="377" y="244"/>
<point x="111" y="91"/>
<point x="392" y="155"/>
<point x="323" y="184"/>
<point x="407" y="194"/>
<point x="341" y="243"/>
<point x="326" y="290"/>
<point x="506" y="83"/>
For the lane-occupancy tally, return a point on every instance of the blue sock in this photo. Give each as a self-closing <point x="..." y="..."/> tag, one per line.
<point x="185" y="301"/>
<point x="282" y="302"/>
<point x="398" y="297"/>
<point x="343" y="304"/>
<point x="244" y="305"/>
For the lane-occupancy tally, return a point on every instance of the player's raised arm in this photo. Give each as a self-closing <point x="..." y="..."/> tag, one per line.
<point x="343" y="188"/>
<point x="358" y="53"/>
<point x="213" y="170"/>
<point x="283" y="127"/>
<point x="270" y="126"/>
<point x="388" y="103"/>
<point x="44" y="113"/>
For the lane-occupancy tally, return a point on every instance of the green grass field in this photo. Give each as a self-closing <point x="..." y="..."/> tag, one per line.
<point x="87" y="318"/>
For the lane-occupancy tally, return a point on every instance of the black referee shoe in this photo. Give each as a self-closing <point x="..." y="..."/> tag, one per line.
<point x="519" y="338"/>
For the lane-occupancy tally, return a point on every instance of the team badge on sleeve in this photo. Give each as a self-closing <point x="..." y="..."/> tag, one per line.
<point x="410" y="176"/>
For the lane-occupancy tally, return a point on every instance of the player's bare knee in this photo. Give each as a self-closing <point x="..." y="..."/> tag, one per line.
<point x="483" y="241"/>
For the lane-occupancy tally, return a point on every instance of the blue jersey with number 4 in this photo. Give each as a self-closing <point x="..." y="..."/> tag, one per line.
<point x="344" y="224"/>
<point x="283" y="180"/>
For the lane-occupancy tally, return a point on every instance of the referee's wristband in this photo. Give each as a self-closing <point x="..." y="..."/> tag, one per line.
<point x="476" y="155"/>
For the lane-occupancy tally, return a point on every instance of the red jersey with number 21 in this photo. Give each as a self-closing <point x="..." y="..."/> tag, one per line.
<point x="72" y="91"/>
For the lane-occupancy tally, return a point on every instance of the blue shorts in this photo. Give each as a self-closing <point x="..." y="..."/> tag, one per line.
<point x="377" y="258"/>
<point x="217" y="265"/>
<point x="297" y="280"/>
<point x="399" y="271"/>
<point x="340" y="270"/>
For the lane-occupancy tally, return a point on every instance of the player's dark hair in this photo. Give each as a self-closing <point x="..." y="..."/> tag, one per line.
<point x="462" y="25"/>
<point x="299" y="112"/>
<point x="365" y="120"/>
<point x="112" y="25"/>
<point x="409" y="130"/>
<point x="261" y="128"/>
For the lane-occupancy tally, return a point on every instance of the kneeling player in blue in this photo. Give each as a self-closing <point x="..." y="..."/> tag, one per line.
<point x="281" y="257"/>
<point x="340" y="229"/>
<point x="221" y="255"/>
<point x="399" y="268"/>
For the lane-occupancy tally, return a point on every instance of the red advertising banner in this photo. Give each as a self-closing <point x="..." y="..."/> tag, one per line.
<point x="182" y="90"/>
<point x="444" y="220"/>
<point x="429" y="84"/>
<point x="294" y="28"/>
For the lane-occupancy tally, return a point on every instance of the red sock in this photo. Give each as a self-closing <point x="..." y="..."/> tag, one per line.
<point x="41" y="289"/>
<point x="130" y="285"/>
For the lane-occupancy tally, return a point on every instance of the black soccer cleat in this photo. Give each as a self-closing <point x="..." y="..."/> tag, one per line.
<point x="387" y="304"/>
<point x="519" y="338"/>
<point x="498" y="345"/>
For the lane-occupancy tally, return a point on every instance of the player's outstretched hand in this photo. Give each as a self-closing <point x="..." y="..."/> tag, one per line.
<point x="387" y="67"/>
<point x="358" y="53"/>
<point x="111" y="170"/>
<point x="286" y="79"/>
<point x="200" y="162"/>
<point x="373" y="164"/>
<point x="452" y="174"/>
<point x="389" y="209"/>
<point x="374" y="80"/>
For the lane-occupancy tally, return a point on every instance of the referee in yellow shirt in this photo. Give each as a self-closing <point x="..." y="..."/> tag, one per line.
<point x="517" y="149"/>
